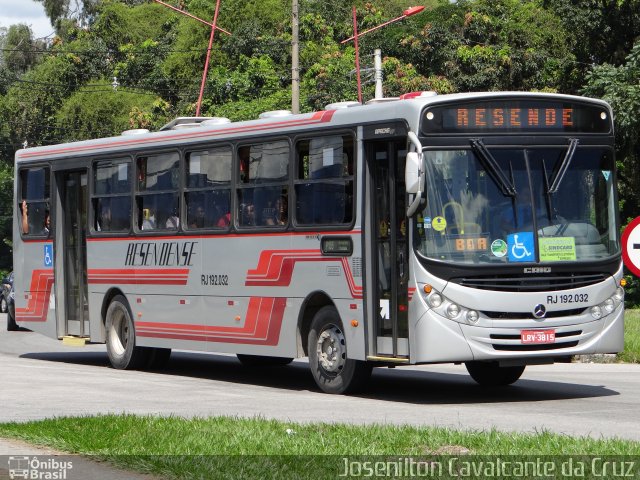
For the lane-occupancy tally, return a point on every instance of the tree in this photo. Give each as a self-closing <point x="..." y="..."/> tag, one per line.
<point x="619" y="86"/>
<point x="491" y="45"/>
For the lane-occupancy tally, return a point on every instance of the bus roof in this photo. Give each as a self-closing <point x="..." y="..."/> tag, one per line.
<point x="202" y="130"/>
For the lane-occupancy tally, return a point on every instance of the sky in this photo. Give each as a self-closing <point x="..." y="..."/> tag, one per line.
<point x="25" y="11"/>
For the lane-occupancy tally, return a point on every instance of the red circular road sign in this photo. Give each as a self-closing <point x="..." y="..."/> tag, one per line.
<point x="631" y="246"/>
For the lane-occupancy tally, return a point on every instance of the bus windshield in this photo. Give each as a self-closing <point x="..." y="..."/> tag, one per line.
<point x="487" y="205"/>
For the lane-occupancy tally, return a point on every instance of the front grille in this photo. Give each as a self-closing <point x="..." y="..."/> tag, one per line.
<point x="537" y="283"/>
<point x="529" y="315"/>
<point x="535" y="348"/>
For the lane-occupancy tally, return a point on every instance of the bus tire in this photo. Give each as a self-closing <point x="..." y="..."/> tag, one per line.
<point x="263" y="361"/>
<point x="121" y="337"/>
<point x="327" y="347"/>
<point x="491" y="374"/>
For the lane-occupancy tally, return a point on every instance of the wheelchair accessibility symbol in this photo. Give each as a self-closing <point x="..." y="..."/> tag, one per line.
<point x="48" y="255"/>
<point x="520" y="247"/>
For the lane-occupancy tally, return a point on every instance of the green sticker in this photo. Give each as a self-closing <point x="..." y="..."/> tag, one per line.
<point x="557" y="249"/>
<point x="499" y="248"/>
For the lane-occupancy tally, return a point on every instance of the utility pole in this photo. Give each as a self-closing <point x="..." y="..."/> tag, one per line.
<point x="377" y="65"/>
<point x="295" y="58"/>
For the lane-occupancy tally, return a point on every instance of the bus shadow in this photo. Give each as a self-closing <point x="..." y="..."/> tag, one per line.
<point x="392" y="385"/>
<point x="435" y="388"/>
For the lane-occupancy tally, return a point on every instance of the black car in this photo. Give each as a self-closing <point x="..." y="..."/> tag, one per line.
<point x="7" y="303"/>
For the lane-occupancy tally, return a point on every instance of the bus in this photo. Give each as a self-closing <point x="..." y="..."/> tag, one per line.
<point x="477" y="228"/>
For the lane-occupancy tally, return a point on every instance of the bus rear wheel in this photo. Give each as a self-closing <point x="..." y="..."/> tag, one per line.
<point x="491" y="374"/>
<point x="121" y="337"/>
<point x="327" y="347"/>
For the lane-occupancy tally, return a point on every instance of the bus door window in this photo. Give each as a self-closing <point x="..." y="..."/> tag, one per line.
<point x="34" y="205"/>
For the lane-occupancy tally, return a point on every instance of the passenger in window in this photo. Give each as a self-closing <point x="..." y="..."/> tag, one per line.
<point x="46" y="223"/>
<point x="282" y="210"/>
<point x="198" y="219"/>
<point x="104" y="221"/>
<point x="268" y="214"/>
<point x="247" y="214"/>
<point x="25" y="217"/>
<point x="277" y="215"/>
<point x="149" y="219"/>
<point x="173" y="222"/>
<point x="224" y="220"/>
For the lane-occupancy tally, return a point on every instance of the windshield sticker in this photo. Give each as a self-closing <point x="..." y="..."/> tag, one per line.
<point x="499" y="248"/>
<point x="606" y="174"/>
<point x="520" y="247"/>
<point x="427" y="222"/>
<point x="557" y="249"/>
<point x="439" y="224"/>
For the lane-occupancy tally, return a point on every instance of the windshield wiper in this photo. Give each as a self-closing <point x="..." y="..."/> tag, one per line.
<point x="564" y="165"/>
<point x="491" y="166"/>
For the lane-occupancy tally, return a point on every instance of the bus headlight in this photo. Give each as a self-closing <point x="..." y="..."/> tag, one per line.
<point x="596" y="312"/>
<point x="619" y="295"/>
<point x="435" y="300"/>
<point x="473" y="316"/>
<point x="608" y="305"/>
<point x="453" y="310"/>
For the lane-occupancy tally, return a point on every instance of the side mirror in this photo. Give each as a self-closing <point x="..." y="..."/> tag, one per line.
<point x="412" y="175"/>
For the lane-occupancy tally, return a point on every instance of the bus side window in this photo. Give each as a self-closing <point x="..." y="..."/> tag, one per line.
<point x="33" y="205"/>
<point x="324" y="183"/>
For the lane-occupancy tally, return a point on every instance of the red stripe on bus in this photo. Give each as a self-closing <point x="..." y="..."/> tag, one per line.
<point x="132" y="276"/>
<point x="39" y="293"/>
<point x="130" y="238"/>
<point x="275" y="268"/>
<point x="263" y="323"/>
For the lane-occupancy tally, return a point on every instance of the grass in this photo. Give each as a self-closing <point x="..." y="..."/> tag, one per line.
<point x="223" y="447"/>
<point x="631" y="352"/>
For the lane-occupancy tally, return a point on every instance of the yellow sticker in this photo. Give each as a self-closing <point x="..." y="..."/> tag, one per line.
<point x="439" y="224"/>
<point x="557" y="249"/>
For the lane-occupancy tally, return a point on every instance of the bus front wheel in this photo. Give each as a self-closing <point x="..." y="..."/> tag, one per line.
<point x="121" y="339"/>
<point x="327" y="347"/>
<point x="491" y="374"/>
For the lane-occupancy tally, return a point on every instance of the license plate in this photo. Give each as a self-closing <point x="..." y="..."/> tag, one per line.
<point x="537" y="336"/>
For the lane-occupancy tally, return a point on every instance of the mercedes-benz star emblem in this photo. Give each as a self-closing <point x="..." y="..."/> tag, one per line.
<point x="539" y="311"/>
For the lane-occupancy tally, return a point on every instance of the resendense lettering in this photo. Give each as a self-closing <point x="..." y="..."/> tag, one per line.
<point x="160" y="254"/>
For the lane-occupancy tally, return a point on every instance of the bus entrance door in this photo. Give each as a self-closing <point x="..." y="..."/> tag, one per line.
<point x="389" y="252"/>
<point x="71" y="258"/>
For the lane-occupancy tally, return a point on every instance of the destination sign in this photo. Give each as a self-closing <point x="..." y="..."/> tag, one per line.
<point x="516" y="116"/>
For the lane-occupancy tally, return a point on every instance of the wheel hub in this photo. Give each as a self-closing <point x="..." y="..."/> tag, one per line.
<point x="331" y="350"/>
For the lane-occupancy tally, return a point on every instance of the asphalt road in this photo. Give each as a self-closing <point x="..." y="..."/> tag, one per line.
<point x="40" y="378"/>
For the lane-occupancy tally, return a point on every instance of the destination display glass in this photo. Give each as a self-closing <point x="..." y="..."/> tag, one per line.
<point x="516" y="116"/>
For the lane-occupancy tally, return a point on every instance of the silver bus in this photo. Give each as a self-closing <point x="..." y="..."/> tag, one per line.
<point x="470" y="228"/>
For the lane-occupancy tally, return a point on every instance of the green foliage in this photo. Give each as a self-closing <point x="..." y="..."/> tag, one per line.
<point x="492" y="45"/>
<point x="92" y="114"/>
<point x="18" y="45"/>
<point x="619" y="86"/>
